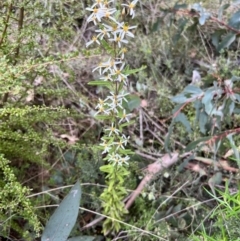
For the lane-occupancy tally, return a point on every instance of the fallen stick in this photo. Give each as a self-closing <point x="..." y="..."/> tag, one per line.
<point x="152" y="169"/>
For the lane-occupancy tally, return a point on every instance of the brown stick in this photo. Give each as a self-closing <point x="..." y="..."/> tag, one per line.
<point x="166" y="161"/>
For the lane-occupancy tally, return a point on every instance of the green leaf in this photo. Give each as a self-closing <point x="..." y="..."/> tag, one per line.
<point x="207" y="101"/>
<point x="194" y="144"/>
<point x="133" y="71"/>
<point x="181" y="98"/>
<point x="178" y="6"/>
<point x="221" y="10"/>
<point x="99" y="83"/>
<point x="127" y="124"/>
<point x="156" y="26"/>
<point x="237" y="96"/>
<point x="167" y="139"/>
<point x="234" y="21"/>
<point x="182" y="23"/>
<point x="107" y="168"/>
<point x="134" y="102"/>
<point x="203" y="17"/>
<point x="183" y="119"/>
<point x="101" y="117"/>
<point x="226" y="41"/>
<point x="193" y="89"/>
<point x="203" y="119"/>
<point x="216" y="179"/>
<point x="216" y="38"/>
<point x="105" y="44"/>
<point x="63" y="219"/>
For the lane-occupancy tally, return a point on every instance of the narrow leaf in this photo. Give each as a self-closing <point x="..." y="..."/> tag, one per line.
<point x="194" y="144"/>
<point x="203" y="119"/>
<point x="99" y="83"/>
<point x="133" y="71"/>
<point x="183" y="119"/>
<point x="207" y="100"/>
<point x="234" y="21"/>
<point x="156" y="26"/>
<point x="221" y="10"/>
<point x="167" y="139"/>
<point x="178" y="6"/>
<point x="63" y="219"/>
<point x="227" y="41"/>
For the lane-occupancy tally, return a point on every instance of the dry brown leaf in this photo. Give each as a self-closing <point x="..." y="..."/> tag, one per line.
<point x="71" y="139"/>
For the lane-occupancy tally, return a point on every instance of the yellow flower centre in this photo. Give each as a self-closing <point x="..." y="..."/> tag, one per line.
<point x="112" y="128"/>
<point x="118" y="71"/>
<point x="101" y="109"/>
<point x="131" y="6"/>
<point x="107" y="14"/>
<point x="125" y="28"/>
<point x="114" y="27"/>
<point x="101" y="102"/>
<point x="111" y="63"/>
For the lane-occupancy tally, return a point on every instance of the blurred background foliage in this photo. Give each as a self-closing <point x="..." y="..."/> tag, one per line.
<point x="49" y="135"/>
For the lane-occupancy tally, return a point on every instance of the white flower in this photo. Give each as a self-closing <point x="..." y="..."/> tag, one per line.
<point x="100" y="103"/>
<point x="102" y="33"/>
<point x="125" y="117"/>
<point x="112" y="129"/>
<point x="122" y="52"/>
<point x="115" y="159"/>
<point x="108" y="65"/>
<point x="118" y="39"/>
<point x="123" y="29"/>
<point x="94" y="39"/>
<point x="97" y="2"/>
<point x="115" y="102"/>
<point x="124" y="160"/>
<point x="101" y="107"/>
<point x="122" y="142"/>
<point x="106" y="78"/>
<point x="97" y="13"/>
<point x="116" y="99"/>
<point x="106" y="146"/>
<point x="109" y="12"/>
<point x="121" y="96"/>
<point x="119" y="75"/>
<point x="111" y="28"/>
<point x="131" y="7"/>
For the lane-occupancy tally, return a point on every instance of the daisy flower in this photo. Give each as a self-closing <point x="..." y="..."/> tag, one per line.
<point x="131" y="7"/>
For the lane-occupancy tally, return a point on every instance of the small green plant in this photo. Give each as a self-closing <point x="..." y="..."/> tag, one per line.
<point x="113" y="35"/>
<point x="227" y="216"/>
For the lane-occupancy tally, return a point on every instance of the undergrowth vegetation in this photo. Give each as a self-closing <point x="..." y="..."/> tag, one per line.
<point x="150" y="137"/>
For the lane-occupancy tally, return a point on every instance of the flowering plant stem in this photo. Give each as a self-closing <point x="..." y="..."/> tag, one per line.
<point x="113" y="34"/>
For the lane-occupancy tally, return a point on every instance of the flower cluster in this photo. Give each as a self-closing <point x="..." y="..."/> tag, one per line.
<point x="116" y="34"/>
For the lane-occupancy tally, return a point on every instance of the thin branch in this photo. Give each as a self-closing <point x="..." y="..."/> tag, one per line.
<point x="6" y="24"/>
